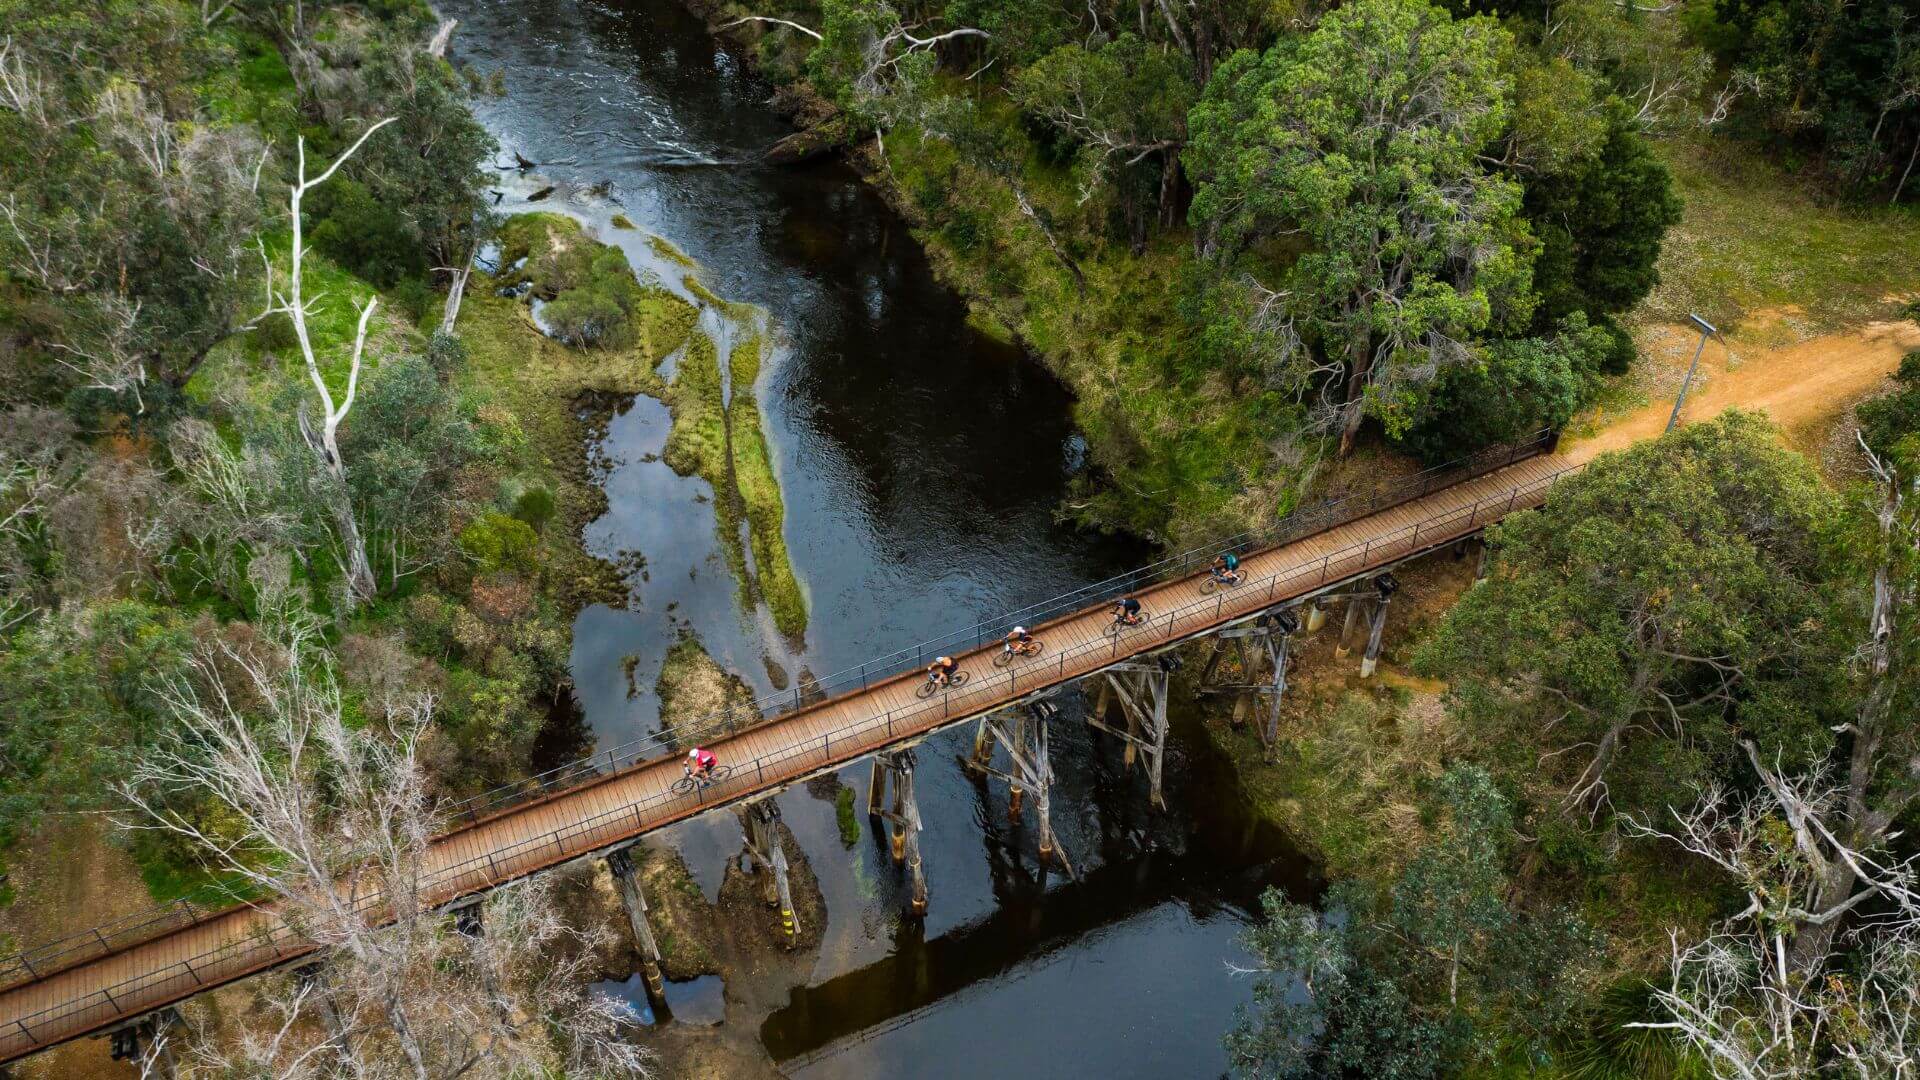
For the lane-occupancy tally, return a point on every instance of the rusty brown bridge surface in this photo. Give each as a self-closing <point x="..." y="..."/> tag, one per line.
<point x="99" y="980"/>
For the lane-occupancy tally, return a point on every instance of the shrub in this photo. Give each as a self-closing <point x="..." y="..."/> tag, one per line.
<point x="1884" y="421"/>
<point x="532" y="503"/>
<point x="496" y="542"/>
<point x="446" y="353"/>
<point x="360" y="233"/>
<point x="1509" y="390"/>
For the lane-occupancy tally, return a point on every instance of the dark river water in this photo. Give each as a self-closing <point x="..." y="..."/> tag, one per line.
<point x="921" y="464"/>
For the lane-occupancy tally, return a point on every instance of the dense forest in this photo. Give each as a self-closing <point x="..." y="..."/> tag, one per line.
<point x="290" y="539"/>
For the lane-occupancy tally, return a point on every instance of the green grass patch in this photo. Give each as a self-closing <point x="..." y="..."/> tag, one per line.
<point x="843" y="814"/>
<point x="622" y="221"/>
<point x="1755" y="236"/>
<point x="665" y="249"/>
<point x="724" y="444"/>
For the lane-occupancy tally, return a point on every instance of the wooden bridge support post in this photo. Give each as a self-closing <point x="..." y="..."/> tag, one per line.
<point x="627" y="876"/>
<point x="314" y="977"/>
<point x="1316" y="617"/>
<point x="1142" y="690"/>
<point x="1260" y="683"/>
<point x="1022" y="731"/>
<point x="1340" y="647"/>
<point x="469" y="922"/>
<point x="761" y="820"/>
<point x="904" y="817"/>
<point x="147" y="1043"/>
<point x="876" y="787"/>
<point x="1386" y="585"/>
<point x="1480" y="568"/>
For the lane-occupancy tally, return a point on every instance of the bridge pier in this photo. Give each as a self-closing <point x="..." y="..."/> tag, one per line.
<point x="627" y="877"/>
<point x="1263" y="674"/>
<point x="145" y="1042"/>
<point x="469" y="921"/>
<point x="1022" y="731"/>
<point x="1142" y="690"/>
<point x="1316" y="616"/>
<point x="761" y="820"/>
<point x="313" y="978"/>
<point x="1386" y="586"/>
<point x="904" y="817"/>
<point x="1340" y="647"/>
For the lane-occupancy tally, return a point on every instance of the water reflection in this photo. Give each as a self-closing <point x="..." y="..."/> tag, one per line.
<point x="922" y="465"/>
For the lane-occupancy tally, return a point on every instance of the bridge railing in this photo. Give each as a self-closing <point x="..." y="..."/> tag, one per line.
<point x="270" y="941"/>
<point x="1305" y="521"/>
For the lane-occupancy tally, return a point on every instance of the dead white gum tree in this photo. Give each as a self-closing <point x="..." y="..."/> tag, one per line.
<point x="1820" y="972"/>
<point x="1766" y="995"/>
<point x="331" y="824"/>
<point x="293" y="302"/>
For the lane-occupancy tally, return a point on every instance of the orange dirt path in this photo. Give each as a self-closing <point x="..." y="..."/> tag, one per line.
<point x="1801" y="386"/>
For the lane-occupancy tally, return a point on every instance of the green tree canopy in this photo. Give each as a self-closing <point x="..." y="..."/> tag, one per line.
<point x="1600" y="221"/>
<point x="1665" y="598"/>
<point x="1365" y="137"/>
<point x="1403" y="981"/>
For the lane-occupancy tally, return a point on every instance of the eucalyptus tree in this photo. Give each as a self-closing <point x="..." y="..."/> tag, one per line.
<point x="291" y="301"/>
<point x="1362" y="144"/>
<point x="1666" y="598"/>
<point x="1123" y="101"/>
<point x="266" y="774"/>
<point x="1409" y="977"/>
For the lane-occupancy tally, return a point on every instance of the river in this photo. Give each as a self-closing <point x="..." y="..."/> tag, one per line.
<point x="921" y="464"/>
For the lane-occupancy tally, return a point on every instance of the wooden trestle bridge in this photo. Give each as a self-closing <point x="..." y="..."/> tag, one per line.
<point x="118" y="978"/>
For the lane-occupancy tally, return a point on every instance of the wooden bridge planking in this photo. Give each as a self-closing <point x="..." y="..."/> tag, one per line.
<point x="1076" y="637"/>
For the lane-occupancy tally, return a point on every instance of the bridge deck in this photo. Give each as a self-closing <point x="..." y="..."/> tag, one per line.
<point x="223" y="947"/>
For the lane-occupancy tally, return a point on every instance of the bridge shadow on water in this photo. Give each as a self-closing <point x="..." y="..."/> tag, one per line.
<point x="1148" y="925"/>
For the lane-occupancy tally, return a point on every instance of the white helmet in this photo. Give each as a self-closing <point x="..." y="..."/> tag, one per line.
<point x="693" y="754"/>
<point x="1019" y="630"/>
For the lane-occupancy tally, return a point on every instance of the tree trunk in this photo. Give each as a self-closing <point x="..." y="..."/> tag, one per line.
<point x="327" y="448"/>
<point x="1169" y="179"/>
<point x="1359" y="365"/>
<point x="1812" y="944"/>
<point x="1908" y="172"/>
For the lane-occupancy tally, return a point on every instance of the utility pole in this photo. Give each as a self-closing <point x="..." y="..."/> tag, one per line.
<point x="1706" y="331"/>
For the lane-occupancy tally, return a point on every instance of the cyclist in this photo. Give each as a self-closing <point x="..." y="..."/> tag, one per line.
<point x="1126" y="611"/>
<point x="940" y="672"/>
<point x="1226" y="568"/>
<point x="1019" y="639"/>
<point x="700" y="765"/>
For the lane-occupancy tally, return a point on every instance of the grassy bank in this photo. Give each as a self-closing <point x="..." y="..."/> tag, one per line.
<point x="693" y="686"/>
<point x="628" y="329"/>
<point x="1756" y="238"/>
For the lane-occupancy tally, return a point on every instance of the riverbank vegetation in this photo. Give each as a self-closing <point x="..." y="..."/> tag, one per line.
<point x="317" y="551"/>
<point x="1641" y="785"/>
<point x="1168" y="206"/>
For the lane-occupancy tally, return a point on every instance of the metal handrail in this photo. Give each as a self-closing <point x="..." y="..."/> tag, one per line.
<point x="275" y="942"/>
<point x="63" y="952"/>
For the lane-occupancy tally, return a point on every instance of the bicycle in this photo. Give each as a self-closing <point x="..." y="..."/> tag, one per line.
<point x="932" y="686"/>
<point x="1029" y="647"/>
<point x="1216" y="580"/>
<point x="689" y="783"/>
<point x="1120" y="625"/>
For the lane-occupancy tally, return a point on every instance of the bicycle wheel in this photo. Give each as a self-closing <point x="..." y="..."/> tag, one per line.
<point x="1002" y="658"/>
<point x="682" y="786"/>
<point x="959" y="679"/>
<point x="1208" y="584"/>
<point x="719" y="774"/>
<point x="927" y="689"/>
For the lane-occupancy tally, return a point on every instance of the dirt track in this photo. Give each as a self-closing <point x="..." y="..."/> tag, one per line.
<point x="1803" y="386"/>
